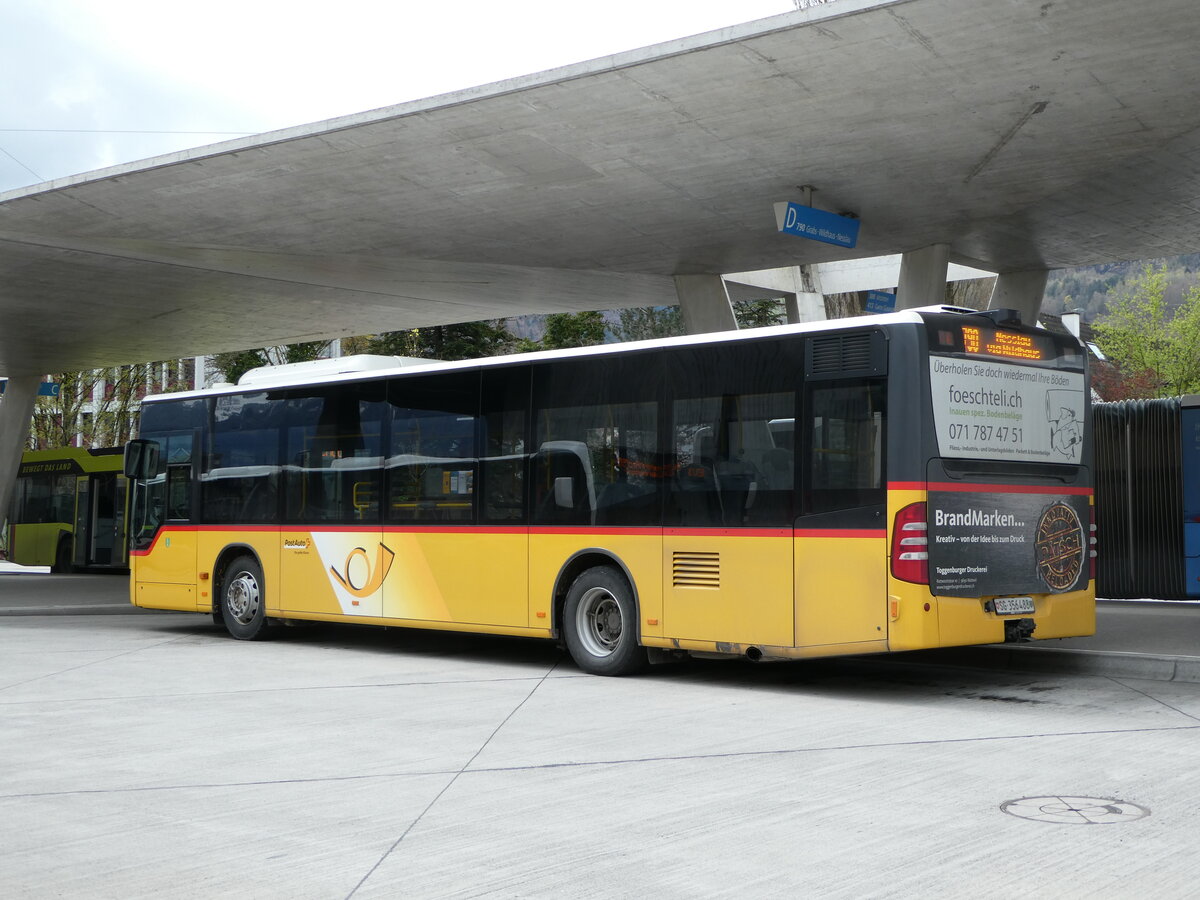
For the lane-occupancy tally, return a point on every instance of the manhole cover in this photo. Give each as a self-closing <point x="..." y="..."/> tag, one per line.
<point x="1074" y="810"/>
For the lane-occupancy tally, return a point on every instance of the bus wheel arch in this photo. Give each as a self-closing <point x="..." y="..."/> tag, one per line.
<point x="240" y="604"/>
<point x="597" y="614"/>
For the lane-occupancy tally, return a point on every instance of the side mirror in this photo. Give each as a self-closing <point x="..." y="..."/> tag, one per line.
<point x="141" y="460"/>
<point x="564" y="492"/>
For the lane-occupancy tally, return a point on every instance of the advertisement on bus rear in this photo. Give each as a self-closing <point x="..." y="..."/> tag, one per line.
<point x="1006" y="542"/>
<point x="996" y="410"/>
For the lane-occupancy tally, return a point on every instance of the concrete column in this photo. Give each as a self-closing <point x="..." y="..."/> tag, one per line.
<point x="808" y="303"/>
<point x="704" y="303"/>
<point x="1021" y="291"/>
<point x="923" y="277"/>
<point x="16" y="415"/>
<point x="199" y="373"/>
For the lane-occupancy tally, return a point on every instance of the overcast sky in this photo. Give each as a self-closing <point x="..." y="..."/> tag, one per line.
<point x="92" y="83"/>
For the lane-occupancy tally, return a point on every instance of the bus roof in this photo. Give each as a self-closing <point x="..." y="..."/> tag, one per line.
<point x="318" y="371"/>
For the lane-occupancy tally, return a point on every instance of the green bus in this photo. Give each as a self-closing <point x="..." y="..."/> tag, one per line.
<point x="69" y="509"/>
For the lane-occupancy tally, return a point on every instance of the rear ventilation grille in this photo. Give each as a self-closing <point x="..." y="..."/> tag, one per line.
<point x="699" y="569"/>
<point x="841" y="352"/>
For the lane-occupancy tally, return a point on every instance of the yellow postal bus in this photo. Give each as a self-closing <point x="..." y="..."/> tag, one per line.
<point x="918" y="479"/>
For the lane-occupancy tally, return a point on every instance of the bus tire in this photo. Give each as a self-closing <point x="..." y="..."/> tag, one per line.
<point x="64" y="557"/>
<point x="600" y="624"/>
<point x="243" y="604"/>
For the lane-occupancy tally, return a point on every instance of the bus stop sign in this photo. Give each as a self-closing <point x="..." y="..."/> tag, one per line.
<point x="816" y="224"/>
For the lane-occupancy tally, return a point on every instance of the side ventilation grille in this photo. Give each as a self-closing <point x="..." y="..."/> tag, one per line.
<point x="855" y="353"/>
<point x="696" y="569"/>
<point x="840" y="352"/>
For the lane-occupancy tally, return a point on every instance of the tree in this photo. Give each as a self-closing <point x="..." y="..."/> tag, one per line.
<point x="573" y="330"/>
<point x="465" y="340"/>
<point x="57" y="421"/>
<point x="646" y="323"/>
<point x="115" y="417"/>
<point x="1147" y="341"/>
<point x="100" y="406"/>
<point x="234" y="364"/>
<point x="759" y="313"/>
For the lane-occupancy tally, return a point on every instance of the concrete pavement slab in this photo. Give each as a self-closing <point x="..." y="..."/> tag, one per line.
<point x="903" y="820"/>
<point x="151" y="756"/>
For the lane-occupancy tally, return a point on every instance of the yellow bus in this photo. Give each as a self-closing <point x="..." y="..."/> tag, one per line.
<point x="912" y="480"/>
<point x="68" y="510"/>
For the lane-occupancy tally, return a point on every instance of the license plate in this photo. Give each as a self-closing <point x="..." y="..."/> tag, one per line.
<point x="1012" y="606"/>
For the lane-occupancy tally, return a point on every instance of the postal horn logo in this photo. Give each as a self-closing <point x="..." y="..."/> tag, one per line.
<point x="358" y="576"/>
<point x="1059" y="546"/>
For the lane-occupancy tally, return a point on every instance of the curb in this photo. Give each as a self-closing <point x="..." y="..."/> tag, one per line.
<point x="104" y="609"/>
<point x="1148" y="666"/>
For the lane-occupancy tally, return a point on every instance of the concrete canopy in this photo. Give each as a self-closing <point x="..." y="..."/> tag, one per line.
<point x="1025" y="134"/>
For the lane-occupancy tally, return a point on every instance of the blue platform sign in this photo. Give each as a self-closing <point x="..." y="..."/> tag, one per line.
<point x="881" y="302"/>
<point x="45" y="389"/>
<point x="816" y="224"/>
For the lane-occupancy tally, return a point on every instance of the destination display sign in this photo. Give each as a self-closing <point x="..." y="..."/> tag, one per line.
<point x="1000" y="410"/>
<point x="982" y="340"/>
<point x="983" y="544"/>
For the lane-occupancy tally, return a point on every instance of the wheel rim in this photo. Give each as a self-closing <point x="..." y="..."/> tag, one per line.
<point x="598" y="622"/>
<point x="242" y="598"/>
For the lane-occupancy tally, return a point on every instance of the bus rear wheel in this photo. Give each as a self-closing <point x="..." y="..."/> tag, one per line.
<point x="243" y="606"/>
<point x="600" y="624"/>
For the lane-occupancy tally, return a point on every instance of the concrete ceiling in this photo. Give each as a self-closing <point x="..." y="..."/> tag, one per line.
<point x="1024" y="133"/>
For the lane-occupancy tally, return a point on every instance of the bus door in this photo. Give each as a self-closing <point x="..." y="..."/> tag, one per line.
<point x="841" y="534"/>
<point x="333" y="559"/>
<point x="83" y="520"/>
<point x="120" y="509"/>
<point x="100" y="520"/>
<point x="163" y="538"/>
<point x="460" y="548"/>
<point x="727" y="547"/>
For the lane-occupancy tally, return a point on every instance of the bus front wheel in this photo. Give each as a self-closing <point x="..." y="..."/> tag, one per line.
<point x="243" y="606"/>
<point x="64" y="557"/>
<point x="600" y="624"/>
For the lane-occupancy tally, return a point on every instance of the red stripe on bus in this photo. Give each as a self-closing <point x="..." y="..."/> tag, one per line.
<point x="728" y="532"/>
<point x="841" y="532"/>
<point x="974" y="488"/>
<point x="593" y="530"/>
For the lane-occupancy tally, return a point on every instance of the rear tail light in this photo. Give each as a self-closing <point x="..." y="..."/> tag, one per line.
<point x="910" y="544"/>
<point x="1092" y="543"/>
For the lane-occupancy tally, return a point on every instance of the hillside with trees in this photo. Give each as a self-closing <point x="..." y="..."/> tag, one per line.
<point x="1090" y="290"/>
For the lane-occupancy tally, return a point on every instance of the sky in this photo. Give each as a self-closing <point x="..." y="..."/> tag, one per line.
<point x="92" y="83"/>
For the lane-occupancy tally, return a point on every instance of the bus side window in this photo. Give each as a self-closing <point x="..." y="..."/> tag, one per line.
<point x="432" y="459"/>
<point x="597" y="457"/>
<point x="333" y="452"/>
<point x="733" y="459"/>
<point x="846" y="446"/>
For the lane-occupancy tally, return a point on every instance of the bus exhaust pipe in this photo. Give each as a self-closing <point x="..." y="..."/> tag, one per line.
<point x="755" y="655"/>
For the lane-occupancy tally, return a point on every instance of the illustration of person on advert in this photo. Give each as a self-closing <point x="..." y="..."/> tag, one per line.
<point x="1066" y="431"/>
